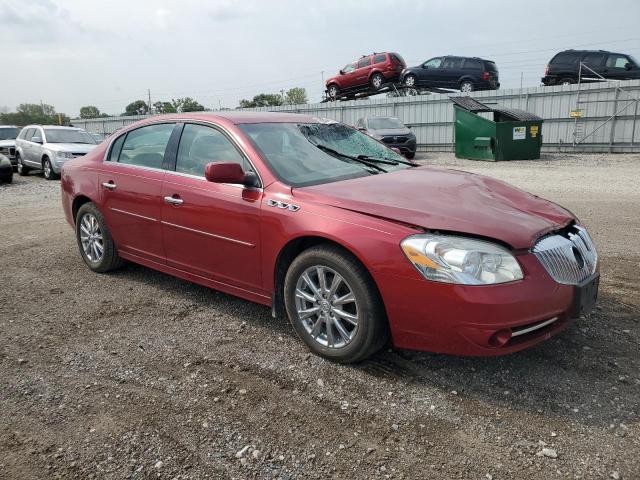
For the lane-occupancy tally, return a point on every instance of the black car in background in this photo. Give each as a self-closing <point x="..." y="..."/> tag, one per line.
<point x="564" y="67"/>
<point x="466" y="74"/>
<point x="390" y="131"/>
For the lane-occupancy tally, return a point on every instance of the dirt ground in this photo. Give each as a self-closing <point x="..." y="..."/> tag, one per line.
<point x="136" y="374"/>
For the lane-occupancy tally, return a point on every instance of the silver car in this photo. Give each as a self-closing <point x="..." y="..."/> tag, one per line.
<point x="8" y="134"/>
<point x="46" y="148"/>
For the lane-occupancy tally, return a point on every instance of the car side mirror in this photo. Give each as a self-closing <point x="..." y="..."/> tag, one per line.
<point x="409" y="127"/>
<point x="341" y="72"/>
<point x="37" y="140"/>
<point x="628" y="66"/>
<point x="229" y="172"/>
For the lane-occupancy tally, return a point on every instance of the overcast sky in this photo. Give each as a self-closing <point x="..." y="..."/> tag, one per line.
<point x="70" y="53"/>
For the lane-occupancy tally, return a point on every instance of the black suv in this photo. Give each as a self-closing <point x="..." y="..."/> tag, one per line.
<point x="390" y="131"/>
<point x="563" y="69"/>
<point x="460" y="73"/>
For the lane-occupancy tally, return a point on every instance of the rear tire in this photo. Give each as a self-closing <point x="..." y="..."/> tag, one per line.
<point x="410" y="81"/>
<point x="96" y="245"/>
<point x="466" y="86"/>
<point x="47" y="170"/>
<point x="566" y="81"/>
<point x="23" y="170"/>
<point x="345" y="331"/>
<point x="376" y="81"/>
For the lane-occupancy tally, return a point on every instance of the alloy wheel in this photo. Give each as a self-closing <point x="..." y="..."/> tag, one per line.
<point x="91" y="238"/>
<point x="466" y="87"/>
<point x="376" y="81"/>
<point x="327" y="307"/>
<point x="410" y="81"/>
<point x="47" y="169"/>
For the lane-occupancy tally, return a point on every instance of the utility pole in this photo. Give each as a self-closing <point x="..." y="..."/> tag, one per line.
<point x="149" y="93"/>
<point x="282" y="93"/>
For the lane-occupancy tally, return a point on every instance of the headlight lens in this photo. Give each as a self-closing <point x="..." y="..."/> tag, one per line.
<point x="451" y="259"/>
<point x="65" y="155"/>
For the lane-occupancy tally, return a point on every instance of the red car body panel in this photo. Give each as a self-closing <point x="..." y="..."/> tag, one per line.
<point x="226" y="237"/>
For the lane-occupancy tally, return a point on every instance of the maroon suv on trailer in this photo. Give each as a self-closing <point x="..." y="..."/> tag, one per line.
<point x="369" y="72"/>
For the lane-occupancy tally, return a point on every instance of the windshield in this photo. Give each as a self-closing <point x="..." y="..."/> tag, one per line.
<point x="299" y="154"/>
<point x="385" y="123"/>
<point x="633" y="60"/>
<point x="55" y="135"/>
<point x="8" y="133"/>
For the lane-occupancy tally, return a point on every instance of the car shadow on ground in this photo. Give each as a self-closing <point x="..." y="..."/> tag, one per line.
<point x="588" y="373"/>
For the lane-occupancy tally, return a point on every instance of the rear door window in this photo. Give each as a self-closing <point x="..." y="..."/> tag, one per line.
<point x="594" y="60"/>
<point x="145" y="146"/>
<point x="452" y="63"/>
<point x="29" y="133"/>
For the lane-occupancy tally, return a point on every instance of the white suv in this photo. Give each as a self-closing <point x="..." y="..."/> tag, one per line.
<point x="46" y="148"/>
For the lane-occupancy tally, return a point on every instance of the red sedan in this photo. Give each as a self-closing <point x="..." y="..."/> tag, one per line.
<point x="351" y="241"/>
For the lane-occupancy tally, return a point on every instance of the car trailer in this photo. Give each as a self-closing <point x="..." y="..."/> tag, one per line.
<point x="399" y="89"/>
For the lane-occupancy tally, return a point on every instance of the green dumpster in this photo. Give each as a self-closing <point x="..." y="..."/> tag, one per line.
<point x="512" y="134"/>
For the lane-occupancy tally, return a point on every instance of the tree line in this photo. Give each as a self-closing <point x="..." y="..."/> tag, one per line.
<point x="28" y="113"/>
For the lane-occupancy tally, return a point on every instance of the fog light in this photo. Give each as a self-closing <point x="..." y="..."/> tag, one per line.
<point x="500" y="338"/>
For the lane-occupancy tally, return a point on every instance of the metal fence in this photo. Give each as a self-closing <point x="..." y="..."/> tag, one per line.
<point x="612" y="116"/>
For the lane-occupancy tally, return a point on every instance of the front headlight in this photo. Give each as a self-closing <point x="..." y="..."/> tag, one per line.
<point x="451" y="259"/>
<point x="64" y="155"/>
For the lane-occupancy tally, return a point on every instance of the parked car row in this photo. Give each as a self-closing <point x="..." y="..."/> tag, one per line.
<point x="372" y="72"/>
<point x="45" y="147"/>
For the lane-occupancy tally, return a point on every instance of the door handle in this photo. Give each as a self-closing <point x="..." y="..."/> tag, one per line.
<point x="109" y="185"/>
<point x="173" y="200"/>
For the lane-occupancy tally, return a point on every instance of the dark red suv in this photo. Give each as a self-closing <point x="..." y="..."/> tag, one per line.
<point x="370" y="72"/>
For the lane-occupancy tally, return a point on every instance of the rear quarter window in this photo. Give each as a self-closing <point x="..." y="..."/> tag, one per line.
<point x="566" y="58"/>
<point x="380" y="58"/>
<point x="472" y="64"/>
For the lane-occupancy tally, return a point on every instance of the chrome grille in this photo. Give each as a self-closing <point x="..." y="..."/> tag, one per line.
<point x="569" y="257"/>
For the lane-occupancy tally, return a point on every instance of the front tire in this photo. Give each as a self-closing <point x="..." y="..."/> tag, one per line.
<point x="333" y="91"/>
<point x="334" y="305"/>
<point x="23" y="170"/>
<point x="96" y="245"/>
<point x="47" y="170"/>
<point x="566" y="81"/>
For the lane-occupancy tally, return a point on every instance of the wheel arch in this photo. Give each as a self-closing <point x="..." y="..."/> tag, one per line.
<point x="290" y="251"/>
<point x="373" y="72"/>
<point x="78" y="201"/>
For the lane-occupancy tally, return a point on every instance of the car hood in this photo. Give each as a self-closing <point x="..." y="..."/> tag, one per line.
<point x="8" y="143"/>
<point x="391" y="132"/>
<point x="449" y="200"/>
<point x="71" y="147"/>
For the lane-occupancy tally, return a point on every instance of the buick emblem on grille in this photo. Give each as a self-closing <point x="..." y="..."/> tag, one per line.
<point x="395" y="139"/>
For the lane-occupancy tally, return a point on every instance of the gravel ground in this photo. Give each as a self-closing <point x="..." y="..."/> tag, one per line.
<point x="136" y="374"/>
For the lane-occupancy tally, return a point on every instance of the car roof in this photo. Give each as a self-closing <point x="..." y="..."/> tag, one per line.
<point x="53" y="127"/>
<point x="8" y="126"/>
<point x="244" y="117"/>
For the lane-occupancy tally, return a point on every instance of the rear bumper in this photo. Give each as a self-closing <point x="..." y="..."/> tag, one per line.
<point x="473" y="320"/>
<point x="549" y="80"/>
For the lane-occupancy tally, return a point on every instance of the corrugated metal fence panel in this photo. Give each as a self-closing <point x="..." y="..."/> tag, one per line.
<point x="431" y="116"/>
